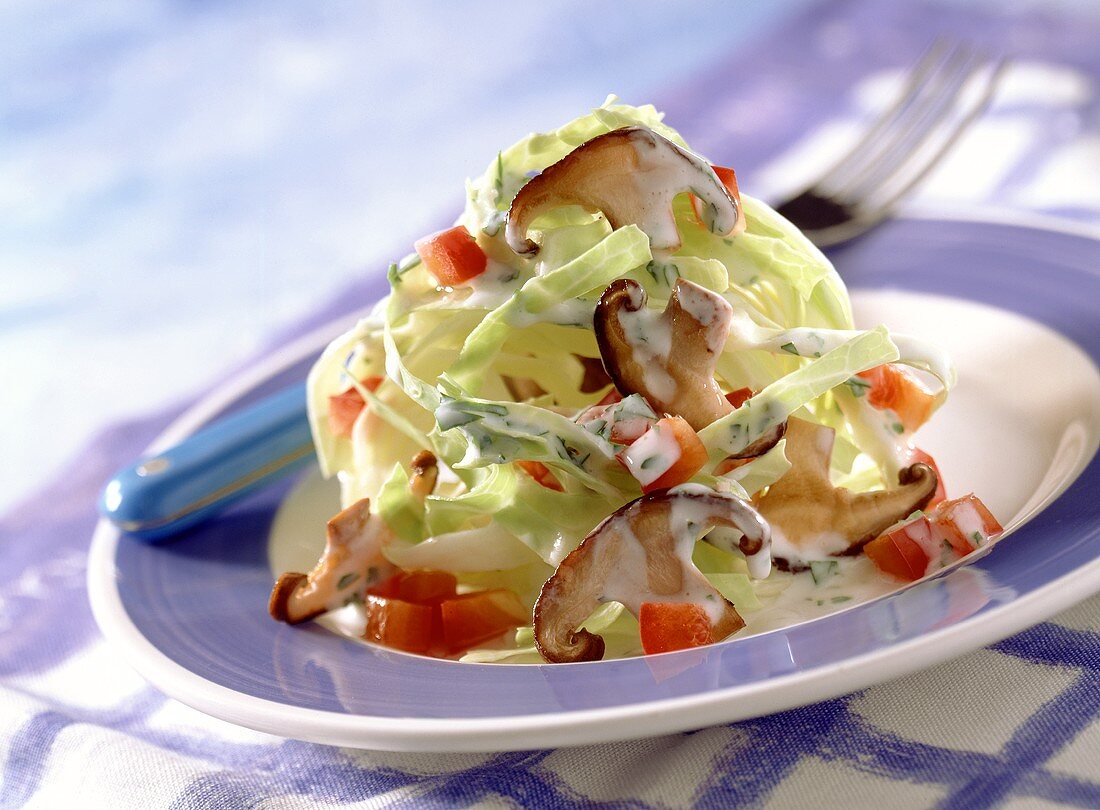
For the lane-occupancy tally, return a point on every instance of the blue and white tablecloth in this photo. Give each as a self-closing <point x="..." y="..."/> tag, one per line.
<point x="185" y="185"/>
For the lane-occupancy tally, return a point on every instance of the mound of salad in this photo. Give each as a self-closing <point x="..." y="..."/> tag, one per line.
<point x="620" y="407"/>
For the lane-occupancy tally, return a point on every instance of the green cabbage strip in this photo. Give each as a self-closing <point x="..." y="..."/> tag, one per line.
<point x="326" y="378"/>
<point x="762" y="471"/>
<point x="594" y="269"/>
<point x="734" y="432"/>
<point x="503" y="432"/>
<point x="807" y="341"/>
<point x="548" y="522"/>
<point x="727" y="573"/>
<point x="402" y="511"/>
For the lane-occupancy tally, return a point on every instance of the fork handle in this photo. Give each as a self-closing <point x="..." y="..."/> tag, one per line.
<point x="163" y="494"/>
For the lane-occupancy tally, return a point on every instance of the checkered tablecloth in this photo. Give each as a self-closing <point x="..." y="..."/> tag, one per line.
<point x="185" y="186"/>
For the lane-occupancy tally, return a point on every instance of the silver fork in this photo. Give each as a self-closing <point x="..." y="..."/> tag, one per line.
<point x="947" y="91"/>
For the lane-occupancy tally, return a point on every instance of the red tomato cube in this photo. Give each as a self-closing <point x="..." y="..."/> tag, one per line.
<point x="729" y="179"/>
<point x="739" y="397"/>
<point x="898" y="389"/>
<point x="668" y="626"/>
<point x="966" y="523"/>
<point x="474" y="618"/>
<point x="941" y="490"/>
<point x="452" y="256"/>
<point x="344" y="408"/>
<point x="900" y="552"/>
<point x="398" y="624"/>
<point x="541" y="473"/>
<point x="669" y="453"/>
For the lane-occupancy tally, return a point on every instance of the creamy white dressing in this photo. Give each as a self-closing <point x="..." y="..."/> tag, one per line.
<point x="660" y="170"/>
<point x="651" y="456"/>
<point x="969" y="522"/>
<point x="878" y="435"/>
<point x="649" y="335"/>
<point x="571" y="312"/>
<point x="807" y="341"/>
<point x="493" y="287"/>
<point x="790" y="599"/>
<point x="627" y="578"/>
<point x="712" y="311"/>
<point x="819" y="546"/>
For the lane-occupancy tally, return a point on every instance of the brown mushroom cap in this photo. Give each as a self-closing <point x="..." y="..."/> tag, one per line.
<point x="641" y="553"/>
<point x="669" y="357"/>
<point x="631" y="175"/>
<point x="804" y="508"/>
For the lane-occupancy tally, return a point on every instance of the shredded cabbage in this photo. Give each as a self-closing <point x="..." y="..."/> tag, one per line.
<point x="449" y="359"/>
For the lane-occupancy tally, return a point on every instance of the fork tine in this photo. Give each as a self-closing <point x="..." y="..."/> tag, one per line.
<point x="934" y="103"/>
<point x="993" y="78"/>
<point x="912" y="88"/>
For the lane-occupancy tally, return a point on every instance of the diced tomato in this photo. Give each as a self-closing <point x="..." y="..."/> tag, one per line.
<point x="729" y="180"/>
<point x="398" y="624"/>
<point x="955" y="527"/>
<point x="541" y="473"/>
<point x="452" y="256"/>
<point x="611" y="397"/>
<point x="899" y="553"/>
<point x="668" y="626"/>
<point x="628" y="431"/>
<point x="966" y="523"/>
<point x="344" y="408"/>
<point x="623" y="431"/>
<point x="477" y="617"/>
<point x="419" y="587"/>
<point x="739" y="397"/>
<point x="426" y="587"/>
<point x="900" y="390"/>
<point x="669" y="453"/>
<point x="941" y="489"/>
<point x="387" y="588"/>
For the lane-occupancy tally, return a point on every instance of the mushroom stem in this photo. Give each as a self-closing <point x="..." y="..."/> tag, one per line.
<point x="631" y="175"/>
<point x="641" y="553"/>
<point x="813" y="517"/>
<point x="352" y="559"/>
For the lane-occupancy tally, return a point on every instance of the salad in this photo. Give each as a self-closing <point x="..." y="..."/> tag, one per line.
<point x="619" y="408"/>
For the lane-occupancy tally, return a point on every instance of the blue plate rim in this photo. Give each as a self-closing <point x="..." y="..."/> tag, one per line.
<point x="567" y="727"/>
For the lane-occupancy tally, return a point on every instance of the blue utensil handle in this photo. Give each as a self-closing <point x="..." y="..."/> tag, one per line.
<point x="163" y="494"/>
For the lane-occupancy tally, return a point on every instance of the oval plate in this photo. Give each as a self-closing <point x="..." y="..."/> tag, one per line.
<point x="191" y="615"/>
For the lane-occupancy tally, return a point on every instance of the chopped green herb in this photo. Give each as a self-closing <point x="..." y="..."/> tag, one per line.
<point x="346" y="580"/>
<point x="897" y="427"/>
<point x="857" y="386"/>
<point x="823" y="570"/>
<point x="789" y="348"/>
<point x="977" y="537"/>
<point x="836" y="600"/>
<point x="647" y="463"/>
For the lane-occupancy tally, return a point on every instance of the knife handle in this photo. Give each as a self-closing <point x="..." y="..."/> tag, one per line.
<point x="165" y="493"/>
